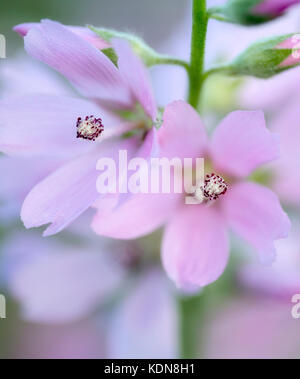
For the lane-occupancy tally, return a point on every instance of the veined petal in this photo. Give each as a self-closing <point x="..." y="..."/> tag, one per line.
<point x="64" y="195"/>
<point x="46" y="124"/>
<point x="82" y="32"/>
<point x="88" y="69"/>
<point x="241" y="143"/>
<point x="254" y="212"/>
<point x="195" y="247"/>
<point x="136" y="75"/>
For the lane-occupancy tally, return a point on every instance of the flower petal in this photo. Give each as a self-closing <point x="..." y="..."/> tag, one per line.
<point x="64" y="195"/>
<point x="195" y="247"/>
<point x="139" y="215"/>
<point x="46" y="124"/>
<point x="242" y="142"/>
<point x="254" y="212"/>
<point x="182" y="133"/>
<point x="136" y="75"/>
<point x="134" y="332"/>
<point x="89" y="70"/>
<point x="82" y="32"/>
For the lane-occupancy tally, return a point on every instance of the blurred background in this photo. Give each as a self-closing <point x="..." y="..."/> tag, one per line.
<point x="76" y="295"/>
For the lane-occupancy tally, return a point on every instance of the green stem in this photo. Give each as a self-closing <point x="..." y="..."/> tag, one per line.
<point x="191" y="311"/>
<point x="216" y="70"/>
<point x="191" y="308"/>
<point x="200" y="20"/>
<point x="173" y="61"/>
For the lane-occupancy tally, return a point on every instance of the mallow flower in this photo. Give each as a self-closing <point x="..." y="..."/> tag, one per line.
<point x="78" y="131"/>
<point x="195" y="245"/>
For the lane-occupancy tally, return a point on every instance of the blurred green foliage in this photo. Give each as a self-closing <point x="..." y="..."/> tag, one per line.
<point x="139" y="16"/>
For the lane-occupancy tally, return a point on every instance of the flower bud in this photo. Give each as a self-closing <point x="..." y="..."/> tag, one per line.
<point x="268" y="57"/>
<point x="251" y="12"/>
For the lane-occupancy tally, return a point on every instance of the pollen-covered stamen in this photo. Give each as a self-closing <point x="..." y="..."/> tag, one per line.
<point x="214" y="186"/>
<point x="89" y="128"/>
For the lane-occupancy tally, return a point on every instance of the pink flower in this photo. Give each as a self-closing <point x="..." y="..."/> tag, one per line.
<point x="274" y="7"/>
<point x="195" y="244"/>
<point x="56" y="283"/>
<point x="47" y="124"/>
<point x="252" y="328"/>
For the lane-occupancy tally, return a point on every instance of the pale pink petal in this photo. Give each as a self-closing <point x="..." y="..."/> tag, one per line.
<point x="19" y="175"/>
<point x="195" y="246"/>
<point x="241" y="143"/>
<point x="90" y="71"/>
<point x="139" y="215"/>
<point x="55" y="283"/>
<point x="182" y="133"/>
<point x="145" y="324"/>
<point x="23" y="29"/>
<point x="68" y="192"/>
<point x="148" y="150"/>
<point x="46" y="124"/>
<point x="254" y="212"/>
<point x="136" y="75"/>
<point x="85" y="33"/>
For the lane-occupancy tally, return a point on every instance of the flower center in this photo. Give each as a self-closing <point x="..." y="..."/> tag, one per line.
<point x="90" y="128"/>
<point x="214" y="186"/>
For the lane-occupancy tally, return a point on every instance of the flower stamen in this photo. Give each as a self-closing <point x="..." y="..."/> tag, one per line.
<point x="214" y="186"/>
<point x="89" y="128"/>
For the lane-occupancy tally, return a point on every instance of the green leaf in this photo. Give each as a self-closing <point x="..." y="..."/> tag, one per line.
<point x="111" y="54"/>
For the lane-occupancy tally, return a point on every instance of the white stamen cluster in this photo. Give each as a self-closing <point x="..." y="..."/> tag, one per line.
<point x="89" y="128"/>
<point x="214" y="186"/>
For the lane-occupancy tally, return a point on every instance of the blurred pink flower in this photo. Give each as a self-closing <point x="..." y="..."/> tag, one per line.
<point x="56" y="283"/>
<point x="195" y="244"/>
<point x="281" y="100"/>
<point x="252" y="328"/>
<point x="274" y="7"/>
<point x="47" y="123"/>
<point x="82" y="340"/>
